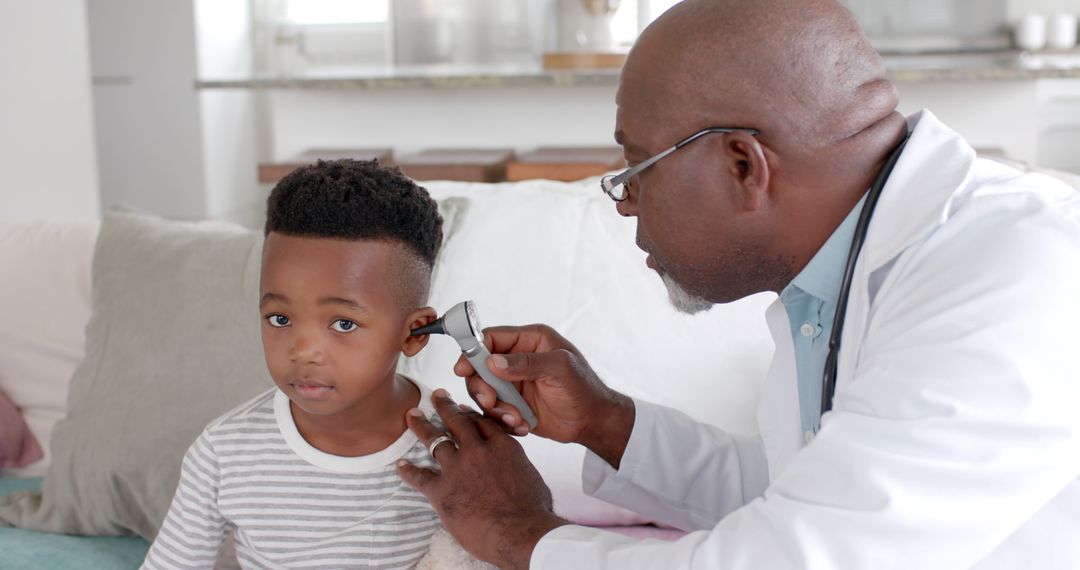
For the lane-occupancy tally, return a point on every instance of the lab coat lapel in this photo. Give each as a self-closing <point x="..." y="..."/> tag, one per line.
<point x="778" y="407"/>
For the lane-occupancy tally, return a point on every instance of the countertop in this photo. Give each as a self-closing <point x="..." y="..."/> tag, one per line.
<point x="901" y="68"/>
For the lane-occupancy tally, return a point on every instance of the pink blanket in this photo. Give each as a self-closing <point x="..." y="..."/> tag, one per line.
<point x="18" y="446"/>
<point x="646" y="531"/>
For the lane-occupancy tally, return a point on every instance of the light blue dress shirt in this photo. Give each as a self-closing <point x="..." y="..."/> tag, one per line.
<point x="810" y="300"/>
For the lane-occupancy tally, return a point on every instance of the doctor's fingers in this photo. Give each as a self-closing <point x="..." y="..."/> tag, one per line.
<point x="508" y="417"/>
<point x="527" y="338"/>
<point x="440" y="444"/>
<point x="535" y="338"/>
<point x="489" y="429"/>
<point x="496" y="339"/>
<point x="462" y="426"/>
<point x="560" y="365"/>
<point x="424" y="480"/>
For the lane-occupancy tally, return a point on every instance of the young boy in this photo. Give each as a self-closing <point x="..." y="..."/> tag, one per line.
<point x="304" y="475"/>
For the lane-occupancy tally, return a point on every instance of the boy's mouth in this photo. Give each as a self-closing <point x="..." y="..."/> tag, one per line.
<point x="311" y="390"/>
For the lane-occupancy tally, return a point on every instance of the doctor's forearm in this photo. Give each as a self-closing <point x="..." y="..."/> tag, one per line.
<point x="609" y="434"/>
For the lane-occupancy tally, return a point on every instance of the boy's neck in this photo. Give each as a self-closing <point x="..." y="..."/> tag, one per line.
<point x="370" y="426"/>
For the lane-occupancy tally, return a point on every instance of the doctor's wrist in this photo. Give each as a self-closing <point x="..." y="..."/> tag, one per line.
<point x="609" y="434"/>
<point x="520" y="540"/>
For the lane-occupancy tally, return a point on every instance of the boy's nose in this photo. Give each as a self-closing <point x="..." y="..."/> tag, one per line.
<point x="306" y="351"/>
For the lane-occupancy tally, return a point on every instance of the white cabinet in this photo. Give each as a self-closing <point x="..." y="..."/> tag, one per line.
<point x="1058" y="142"/>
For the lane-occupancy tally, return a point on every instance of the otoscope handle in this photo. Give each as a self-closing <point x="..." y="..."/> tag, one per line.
<point x="478" y="358"/>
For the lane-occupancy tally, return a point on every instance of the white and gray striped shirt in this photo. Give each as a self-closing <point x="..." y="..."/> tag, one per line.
<point x="290" y="505"/>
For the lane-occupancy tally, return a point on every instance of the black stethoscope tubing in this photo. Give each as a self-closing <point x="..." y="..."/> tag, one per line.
<point x="828" y="382"/>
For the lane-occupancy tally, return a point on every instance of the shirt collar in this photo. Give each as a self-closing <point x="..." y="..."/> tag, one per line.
<point x="824" y="275"/>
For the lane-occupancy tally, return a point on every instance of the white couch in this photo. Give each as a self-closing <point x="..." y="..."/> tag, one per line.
<point x="525" y="252"/>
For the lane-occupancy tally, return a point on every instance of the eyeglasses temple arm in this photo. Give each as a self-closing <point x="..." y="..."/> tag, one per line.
<point x="629" y="172"/>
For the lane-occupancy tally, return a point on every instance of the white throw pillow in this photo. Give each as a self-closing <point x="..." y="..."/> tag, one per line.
<point x="558" y="253"/>
<point x="45" y="305"/>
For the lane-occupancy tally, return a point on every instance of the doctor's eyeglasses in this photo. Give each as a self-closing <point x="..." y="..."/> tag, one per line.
<point x="617" y="186"/>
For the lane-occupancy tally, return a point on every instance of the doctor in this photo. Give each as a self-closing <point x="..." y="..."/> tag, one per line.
<point x="953" y="437"/>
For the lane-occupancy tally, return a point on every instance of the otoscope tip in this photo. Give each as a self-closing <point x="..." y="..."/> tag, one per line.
<point x="436" y="327"/>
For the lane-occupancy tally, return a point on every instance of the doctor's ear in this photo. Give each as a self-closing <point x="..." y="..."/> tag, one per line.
<point x="749" y="168"/>
<point x="418" y="318"/>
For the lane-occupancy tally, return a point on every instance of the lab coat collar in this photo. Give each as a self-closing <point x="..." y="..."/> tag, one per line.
<point x="916" y="198"/>
<point x="934" y="168"/>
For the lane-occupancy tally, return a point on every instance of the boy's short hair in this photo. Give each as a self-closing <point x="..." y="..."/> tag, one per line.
<point x="356" y="200"/>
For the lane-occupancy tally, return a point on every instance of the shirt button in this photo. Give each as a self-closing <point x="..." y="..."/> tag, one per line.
<point x="808" y="436"/>
<point x="807" y="329"/>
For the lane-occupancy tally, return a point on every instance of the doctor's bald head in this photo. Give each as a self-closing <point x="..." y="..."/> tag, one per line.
<point x="732" y="213"/>
<point x="801" y="71"/>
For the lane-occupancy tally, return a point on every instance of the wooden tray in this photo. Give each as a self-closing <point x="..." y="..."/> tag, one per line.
<point x="582" y="60"/>
<point x="272" y="172"/>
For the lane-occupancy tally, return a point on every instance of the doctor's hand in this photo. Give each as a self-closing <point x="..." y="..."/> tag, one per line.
<point x="488" y="495"/>
<point x="571" y="403"/>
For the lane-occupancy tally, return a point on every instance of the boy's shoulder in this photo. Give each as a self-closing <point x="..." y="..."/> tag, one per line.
<point x="258" y="411"/>
<point x="425" y="403"/>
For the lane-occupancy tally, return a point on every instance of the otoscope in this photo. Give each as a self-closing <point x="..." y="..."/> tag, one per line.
<point x="463" y="324"/>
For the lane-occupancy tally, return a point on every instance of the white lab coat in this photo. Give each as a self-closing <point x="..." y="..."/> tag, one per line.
<point x="954" y="441"/>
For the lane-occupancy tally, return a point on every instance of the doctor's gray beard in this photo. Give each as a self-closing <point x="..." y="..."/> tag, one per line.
<point x="683" y="301"/>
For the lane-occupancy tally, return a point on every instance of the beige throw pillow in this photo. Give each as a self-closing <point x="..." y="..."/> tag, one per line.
<point x="172" y="343"/>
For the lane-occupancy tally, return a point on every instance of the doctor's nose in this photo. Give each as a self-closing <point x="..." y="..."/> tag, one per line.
<point x="629" y="206"/>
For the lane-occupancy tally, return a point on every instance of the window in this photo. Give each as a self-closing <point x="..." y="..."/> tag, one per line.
<point x="633" y="16"/>
<point x="321" y="36"/>
<point x="653" y="8"/>
<point x="301" y="36"/>
<point x="312" y="12"/>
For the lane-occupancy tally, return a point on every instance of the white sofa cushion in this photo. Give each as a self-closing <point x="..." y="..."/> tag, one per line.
<point x="559" y="254"/>
<point x="540" y="252"/>
<point x="44" y="307"/>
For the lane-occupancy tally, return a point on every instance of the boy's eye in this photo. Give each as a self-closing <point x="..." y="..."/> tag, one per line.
<point x="343" y="325"/>
<point x="278" y="321"/>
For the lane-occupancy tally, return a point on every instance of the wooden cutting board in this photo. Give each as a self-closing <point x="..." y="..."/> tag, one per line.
<point x="583" y="60"/>
<point x="465" y="164"/>
<point x="565" y="163"/>
<point x="272" y="172"/>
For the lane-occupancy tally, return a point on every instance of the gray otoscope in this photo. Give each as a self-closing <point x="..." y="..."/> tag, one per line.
<point x="463" y="324"/>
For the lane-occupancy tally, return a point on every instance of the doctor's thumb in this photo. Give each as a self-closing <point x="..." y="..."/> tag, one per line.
<point x="513" y="367"/>
<point x="526" y="366"/>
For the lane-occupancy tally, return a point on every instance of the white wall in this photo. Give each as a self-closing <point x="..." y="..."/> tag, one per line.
<point x="228" y="117"/>
<point x="999" y="114"/>
<point x="47" y="155"/>
<point x="1037" y="122"/>
<point x="146" y="107"/>
<point x="1018" y="8"/>
<point x="1059" y="119"/>
<point x="1004" y="115"/>
<point x="410" y="119"/>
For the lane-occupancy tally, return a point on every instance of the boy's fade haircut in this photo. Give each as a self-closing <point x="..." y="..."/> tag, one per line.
<point x="357" y="200"/>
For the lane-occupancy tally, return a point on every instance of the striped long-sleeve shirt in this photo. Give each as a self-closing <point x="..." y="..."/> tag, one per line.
<point x="289" y="504"/>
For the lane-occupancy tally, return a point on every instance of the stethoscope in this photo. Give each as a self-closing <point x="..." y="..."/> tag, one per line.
<point x="828" y="383"/>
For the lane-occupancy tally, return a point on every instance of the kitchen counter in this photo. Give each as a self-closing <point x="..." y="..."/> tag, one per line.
<point x="987" y="66"/>
<point x="922" y="68"/>
<point x="425" y="77"/>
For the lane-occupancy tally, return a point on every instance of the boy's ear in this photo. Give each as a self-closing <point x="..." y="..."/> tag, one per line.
<point x="415" y="320"/>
